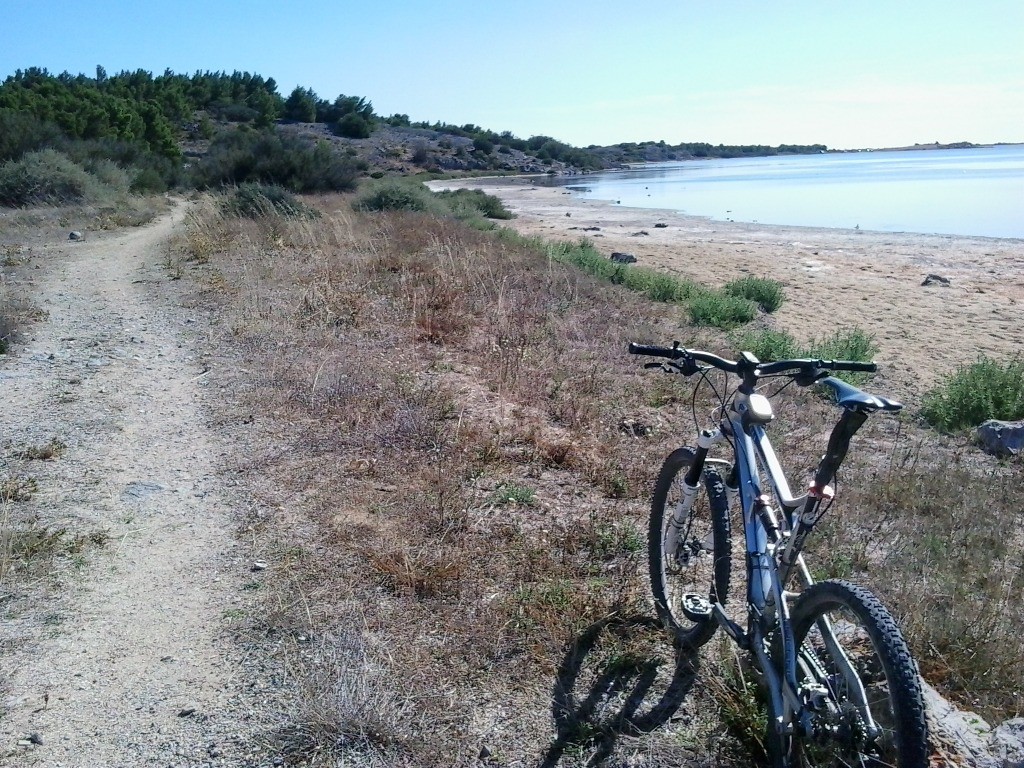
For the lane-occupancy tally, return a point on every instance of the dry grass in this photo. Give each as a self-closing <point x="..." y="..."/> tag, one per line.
<point x="404" y="374"/>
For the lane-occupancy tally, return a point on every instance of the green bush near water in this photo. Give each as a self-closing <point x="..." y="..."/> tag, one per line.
<point x="850" y="344"/>
<point x="768" y="345"/>
<point x="396" y="195"/>
<point x="410" y="195"/>
<point x="976" y="393"/>
<point x="765" y="292"/>
<point x="473" y="202"/>
<point x="720" y="309"/>
<point x="657" y="286"/>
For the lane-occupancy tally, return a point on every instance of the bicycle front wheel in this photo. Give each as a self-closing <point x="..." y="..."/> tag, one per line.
<point x="688" y="549"/>
<point x="875" y="718"/>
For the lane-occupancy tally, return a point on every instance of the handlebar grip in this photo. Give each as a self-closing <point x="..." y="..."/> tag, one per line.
<point x="654" y="351"/>
<point x="853" y="365"/>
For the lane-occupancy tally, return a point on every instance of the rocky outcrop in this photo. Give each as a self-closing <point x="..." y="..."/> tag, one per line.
<point x="623" y="258"/>
<point x="1002" y="438"/>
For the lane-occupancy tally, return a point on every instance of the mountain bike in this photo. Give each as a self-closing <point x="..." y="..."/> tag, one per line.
<point x="841" y="685"/>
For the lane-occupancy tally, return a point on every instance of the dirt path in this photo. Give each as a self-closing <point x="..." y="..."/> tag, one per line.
<point x="115" y="656"/>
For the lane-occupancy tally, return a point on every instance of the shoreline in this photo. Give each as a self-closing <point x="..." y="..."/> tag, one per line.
<point x="833" y="278"/>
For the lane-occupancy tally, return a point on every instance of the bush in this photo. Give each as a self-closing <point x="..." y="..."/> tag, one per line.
<point x="271" y="158"/>
<point x="721" y="310"/>
<point x="850" y="344"/>
<point x="474" y="202"/>
<point x="353" y="126"/>
<point x="394" y="195"/>
<point x="657" y="286"/>
<point x="148" y="180"/>
<point x="255" y="200"/>
<point x="21" y="132"/>
<point x="483" y="144"/>
<point x="768" y="345"/>
<point x="767" y="293"/>
<point x="48" y="177"/>
<point x="110" y="174"/>
<point x="976" y="393"/>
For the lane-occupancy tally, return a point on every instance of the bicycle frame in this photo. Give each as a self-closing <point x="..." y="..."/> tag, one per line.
<point x="767" y="598"/>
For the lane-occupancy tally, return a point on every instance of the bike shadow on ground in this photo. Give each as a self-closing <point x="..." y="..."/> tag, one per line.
<point x="622" y="676"/>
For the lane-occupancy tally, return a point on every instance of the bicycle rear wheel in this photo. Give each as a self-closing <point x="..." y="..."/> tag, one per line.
<point x="689" y="545"/>
<point x="869" y="638"/>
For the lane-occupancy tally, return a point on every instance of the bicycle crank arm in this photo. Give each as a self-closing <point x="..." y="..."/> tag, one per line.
<point x="730" y="627"/>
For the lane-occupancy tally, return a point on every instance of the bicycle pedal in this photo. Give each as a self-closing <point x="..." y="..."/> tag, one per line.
<point x="695" y="607"/>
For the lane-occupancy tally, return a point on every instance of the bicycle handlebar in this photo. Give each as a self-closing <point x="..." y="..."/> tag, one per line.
<point x="748" y="364"/>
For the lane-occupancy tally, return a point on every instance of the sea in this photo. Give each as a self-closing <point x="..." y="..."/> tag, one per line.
<point x="977" y="191"/>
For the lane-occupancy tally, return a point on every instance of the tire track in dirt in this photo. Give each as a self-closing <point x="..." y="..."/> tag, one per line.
<point x="115" y="658"/>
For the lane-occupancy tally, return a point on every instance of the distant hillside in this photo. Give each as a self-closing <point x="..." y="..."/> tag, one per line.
<point x="211" y="128"/>
<point x="659" y="151"/>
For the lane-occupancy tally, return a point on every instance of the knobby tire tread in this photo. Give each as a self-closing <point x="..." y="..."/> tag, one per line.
<point x="901" y="671"/>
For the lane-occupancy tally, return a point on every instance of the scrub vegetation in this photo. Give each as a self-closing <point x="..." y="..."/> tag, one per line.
<point x="474" y="450"/>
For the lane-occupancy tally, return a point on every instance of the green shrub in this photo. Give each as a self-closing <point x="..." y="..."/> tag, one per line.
<point x="396" y="195"/>
<point x="720" y="310"/>
<point x="270" y="157"/>
<point x="110" y="173"/>
<point x="767" y="345"/>
<point x="474" y="202"/>
<point x="849" y="344"/>
<point x="255" y="200"/>
<point x="983" y="390"/>
<point x="353" y="126"/>
<point x="21" y="132"/>
<point x="148" y="180"/>
<point x="767" y="293"/>
<point x="48" y="177"/>
<point x="656" y="285"/>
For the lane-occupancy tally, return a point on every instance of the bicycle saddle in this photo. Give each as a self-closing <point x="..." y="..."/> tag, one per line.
<point x="848" y="396"/>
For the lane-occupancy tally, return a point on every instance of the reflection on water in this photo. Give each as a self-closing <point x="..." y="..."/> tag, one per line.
<point x="954" y="191"/>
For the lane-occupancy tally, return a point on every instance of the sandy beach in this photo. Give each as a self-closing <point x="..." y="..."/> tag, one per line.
<point x="834" y="278"/>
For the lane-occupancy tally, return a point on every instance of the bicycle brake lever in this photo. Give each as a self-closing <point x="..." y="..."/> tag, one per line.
<point x="807" y="378"/>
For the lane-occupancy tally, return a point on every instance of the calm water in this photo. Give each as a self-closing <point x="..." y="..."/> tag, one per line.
<point x="949" y="191"/>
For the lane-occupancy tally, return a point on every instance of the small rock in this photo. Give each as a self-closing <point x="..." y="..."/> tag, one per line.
<point x="75" y="235"/>
<point x="660" y="225"/>
<point x="930" y="279"/>
<point x="485" y="752"/>
<point x="258" y="565"/>
<point x="187" y="712"/>
<point x="567" y="213"/>
<point x="36" y="739"/>
<point x="635" y="428"/>
<point x="141" y="489"/>
<point x="623" y="258"/>
<point x="1008" y="743"/>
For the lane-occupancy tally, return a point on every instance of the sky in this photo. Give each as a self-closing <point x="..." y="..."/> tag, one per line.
<point x="849" y="74"/>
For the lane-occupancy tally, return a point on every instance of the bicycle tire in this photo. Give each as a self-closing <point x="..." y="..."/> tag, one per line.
<point x="692" y="572"/>
<point x="875" y="646"/>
